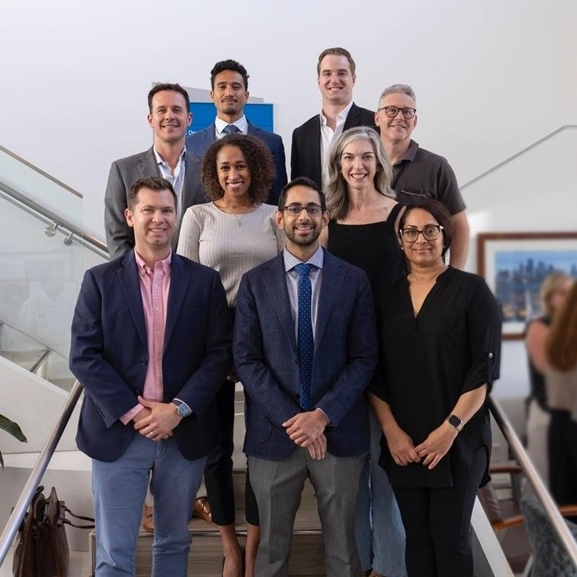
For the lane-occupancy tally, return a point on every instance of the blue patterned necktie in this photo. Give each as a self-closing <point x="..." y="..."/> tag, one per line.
<point x="230" y="129"/>
<point x="305" y="334"/>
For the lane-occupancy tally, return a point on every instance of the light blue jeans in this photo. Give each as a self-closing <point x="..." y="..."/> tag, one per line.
<point x="379" y="529"/>
<point x="119" y="490"/>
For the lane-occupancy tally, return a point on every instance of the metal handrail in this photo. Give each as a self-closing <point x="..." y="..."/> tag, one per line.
<point x="40" y="171"/>
<point x="516" y="155"/>
<point x="37" y="473"/>
<point x="57" y="223"/>
<point x="530" y="472"/>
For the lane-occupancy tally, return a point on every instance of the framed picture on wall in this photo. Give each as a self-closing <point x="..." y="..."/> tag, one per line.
<point x="514" y="264"/>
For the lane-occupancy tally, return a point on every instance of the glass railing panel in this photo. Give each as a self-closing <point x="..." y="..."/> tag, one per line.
<point x="40" y="274"/>
<point x="35" y="357"/>
<point x="39" y="186"/>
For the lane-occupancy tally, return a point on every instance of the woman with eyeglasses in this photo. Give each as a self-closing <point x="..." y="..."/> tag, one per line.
<point x="440" y="334"/>
<point x="362" y="231"/>
<point x="233" y="233"/>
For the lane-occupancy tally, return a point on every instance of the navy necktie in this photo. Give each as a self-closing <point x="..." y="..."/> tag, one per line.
<point x="230" y="129"/>
<point x="305" y="334"/>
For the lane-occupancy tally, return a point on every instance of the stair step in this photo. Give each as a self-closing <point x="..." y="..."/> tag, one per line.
<point x="205" y="560"/>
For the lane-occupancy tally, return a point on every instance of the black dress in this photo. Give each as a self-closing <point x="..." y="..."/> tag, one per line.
<point x="426" y="362"/>
<point x="373" y="247"/>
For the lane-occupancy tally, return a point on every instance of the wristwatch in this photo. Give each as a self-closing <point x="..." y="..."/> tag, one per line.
<point x="182" y="408"/>
<point x="454" y="421"/>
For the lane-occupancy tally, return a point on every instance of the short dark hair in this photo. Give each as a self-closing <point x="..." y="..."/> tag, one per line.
<point x="336" y="51"/>
<point x="438" y="211"/>
<point x="301" y="181"/>
<point x="153" y="183"/>
<point x="259" y="160"/>
<point x="229" y="65"/>
<point x="166" y="86"/>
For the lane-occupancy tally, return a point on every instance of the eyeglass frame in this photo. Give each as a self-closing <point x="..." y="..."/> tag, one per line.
<point x="439" y="228"/>
<point x="399" y="109"/>
<point x="302" y="207"/>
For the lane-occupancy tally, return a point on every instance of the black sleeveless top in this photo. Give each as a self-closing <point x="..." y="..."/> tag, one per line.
<point x="373" y="247"/>
<point x="537" y="379"/>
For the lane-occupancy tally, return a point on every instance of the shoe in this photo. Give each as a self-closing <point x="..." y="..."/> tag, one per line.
<point x="147" y="521"/>
<point x="202" y="509"/>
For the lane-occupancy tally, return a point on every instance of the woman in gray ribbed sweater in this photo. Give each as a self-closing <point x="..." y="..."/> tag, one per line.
<point x="233" y="233"/>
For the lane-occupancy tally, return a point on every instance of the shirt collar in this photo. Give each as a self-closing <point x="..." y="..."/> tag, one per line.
<point x="411" y="152"/>
<point x="342" y="114"/>
<point x="241" y="124"/>
<point x="144" y="269"/>
<point x="290" y="261"/>
<point x="159" y="159"/>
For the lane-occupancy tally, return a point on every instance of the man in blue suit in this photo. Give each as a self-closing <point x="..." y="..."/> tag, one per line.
<point x="151" y="345"/>
<point x="305" y="356"/>
<point x="229" y="93"/>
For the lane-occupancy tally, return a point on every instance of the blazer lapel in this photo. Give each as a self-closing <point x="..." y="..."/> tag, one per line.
<point x="353" y="117"/>
<point x="147" y="164"/>
<point x="333" y="277"/>
<point x="275" y="282"/>
<point x="178" y="287"/>
<point x="130" y="285"/>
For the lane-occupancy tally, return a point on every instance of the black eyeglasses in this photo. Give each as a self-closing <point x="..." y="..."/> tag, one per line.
<point x="430" y="232"/>
<point x="296" y="209"/>
<point x="392" y="111"/>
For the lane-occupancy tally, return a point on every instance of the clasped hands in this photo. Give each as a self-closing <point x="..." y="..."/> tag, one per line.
<point x="429" y="452"/>
<point x="307" y="430"/>
<point x="156" y="420"/>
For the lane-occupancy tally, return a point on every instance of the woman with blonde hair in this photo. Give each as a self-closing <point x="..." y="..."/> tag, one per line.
<point x="363" y="231"/>
<point x="561" y="387"/>
<point x="553" y="291"/>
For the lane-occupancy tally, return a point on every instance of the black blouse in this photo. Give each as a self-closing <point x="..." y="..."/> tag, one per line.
<point x="428" y="361"/>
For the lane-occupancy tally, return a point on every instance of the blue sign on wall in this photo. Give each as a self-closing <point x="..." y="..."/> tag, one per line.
<point x="203" y="114"/>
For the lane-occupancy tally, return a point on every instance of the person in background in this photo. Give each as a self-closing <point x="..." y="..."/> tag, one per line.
<point x="554" y="290"/>
<point x="232" y="234"/>
<point x="312" y="141"/>
<point x="416" y="171"/>
<point x="229" y="94"/>
<point x="439" y="342"/>
<point x="561" y="388"/>
<point x="362" y="230"/>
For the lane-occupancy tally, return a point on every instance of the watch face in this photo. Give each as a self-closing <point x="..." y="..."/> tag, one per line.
<point x="183" y="410"/>
<point x="455" y="421"/>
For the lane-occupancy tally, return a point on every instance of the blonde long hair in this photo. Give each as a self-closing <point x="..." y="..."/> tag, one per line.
<point x="561" y="342"/>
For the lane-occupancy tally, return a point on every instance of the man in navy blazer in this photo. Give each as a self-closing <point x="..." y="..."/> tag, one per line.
<point x="229" y="93"/>
<point x="296" y="430"/>
<point x="311" y="142"/>
<point x="169" y="117"/>
<point x="151" y="343"/>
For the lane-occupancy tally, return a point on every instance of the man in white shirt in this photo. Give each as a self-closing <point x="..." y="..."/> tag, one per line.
<point x="311" y="142"/>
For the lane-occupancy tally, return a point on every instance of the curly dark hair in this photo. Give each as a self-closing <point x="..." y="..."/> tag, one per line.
<point x="259" y="160"/>
<point x="232" y="65"/>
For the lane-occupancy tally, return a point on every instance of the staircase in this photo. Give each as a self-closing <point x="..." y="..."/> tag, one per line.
<point x="205" y="560"/>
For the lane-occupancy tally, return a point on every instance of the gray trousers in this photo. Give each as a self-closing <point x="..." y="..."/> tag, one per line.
<point x="278" y="486"/>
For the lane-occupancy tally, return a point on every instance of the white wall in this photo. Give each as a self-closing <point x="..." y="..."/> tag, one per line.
<point x="491" y="77"/>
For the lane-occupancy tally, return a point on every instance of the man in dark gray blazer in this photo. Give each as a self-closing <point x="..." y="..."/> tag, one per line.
<point x="229" y="93"/>
<point x="168" y="116"/>
<point x="305" y="416"/>
<point x="312" y="140"/>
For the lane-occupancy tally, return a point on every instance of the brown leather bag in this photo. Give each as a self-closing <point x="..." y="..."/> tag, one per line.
<point x="43" y="547"/>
